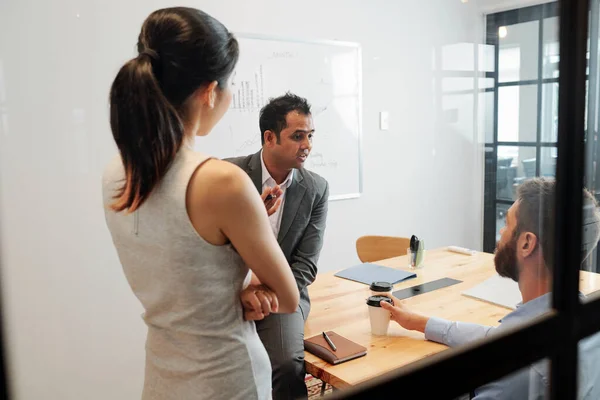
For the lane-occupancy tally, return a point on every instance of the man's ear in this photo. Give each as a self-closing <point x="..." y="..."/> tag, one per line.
<point x="270" y="137"/>
<point x="527" y="244"/>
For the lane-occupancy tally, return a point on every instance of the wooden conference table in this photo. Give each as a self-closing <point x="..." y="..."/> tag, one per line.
<point x="339" y="305"/>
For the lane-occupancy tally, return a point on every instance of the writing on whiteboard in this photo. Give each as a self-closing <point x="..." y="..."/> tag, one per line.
<point x="248" y="95"/>
<point x="319" y="110"/>
<point x="326" y="74"/>
<point x="318" y="160"/>
<point x="248" y="145"/>
<point x="283" y="54"/>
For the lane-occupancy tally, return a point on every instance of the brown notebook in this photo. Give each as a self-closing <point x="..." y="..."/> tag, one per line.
<point x="345" y="349"/>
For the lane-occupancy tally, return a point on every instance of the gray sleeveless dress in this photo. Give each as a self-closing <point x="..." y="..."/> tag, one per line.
<point x="198" y="346"/>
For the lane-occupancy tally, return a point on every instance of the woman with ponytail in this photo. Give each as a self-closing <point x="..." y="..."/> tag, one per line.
<point x="190" y="230"/>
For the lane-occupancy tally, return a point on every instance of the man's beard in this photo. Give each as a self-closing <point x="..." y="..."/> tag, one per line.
<point x="505" y="260"/>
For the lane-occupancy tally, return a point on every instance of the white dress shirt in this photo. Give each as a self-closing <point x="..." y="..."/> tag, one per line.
<point x="268" y="181"/>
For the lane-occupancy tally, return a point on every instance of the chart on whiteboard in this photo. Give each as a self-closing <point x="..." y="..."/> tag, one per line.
<point x="327" y="75"/>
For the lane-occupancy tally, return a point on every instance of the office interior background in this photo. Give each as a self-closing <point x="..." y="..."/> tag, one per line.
<point x="521" y="109"/>
<point x="471" y="88"/>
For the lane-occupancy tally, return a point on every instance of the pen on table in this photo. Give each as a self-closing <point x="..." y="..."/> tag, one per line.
<point x="329" y="342"/>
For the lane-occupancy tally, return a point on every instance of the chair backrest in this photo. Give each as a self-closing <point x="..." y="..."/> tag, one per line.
<point x="529" y="167"/>
<point x="505" y="161"/>
<point x="375" y="248"/>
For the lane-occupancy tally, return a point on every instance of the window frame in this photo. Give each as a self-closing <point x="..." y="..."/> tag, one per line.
<point x="493" y="23"/>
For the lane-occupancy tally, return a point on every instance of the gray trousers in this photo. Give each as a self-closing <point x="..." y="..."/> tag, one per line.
<point x="283" y="337"/>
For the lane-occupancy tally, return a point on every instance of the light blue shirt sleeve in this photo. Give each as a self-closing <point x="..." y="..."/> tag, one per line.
<point x="527" y="383"/>
<point x="454" y="333"/>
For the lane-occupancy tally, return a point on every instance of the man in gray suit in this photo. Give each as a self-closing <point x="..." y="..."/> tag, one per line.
<point x="287" y="129"/>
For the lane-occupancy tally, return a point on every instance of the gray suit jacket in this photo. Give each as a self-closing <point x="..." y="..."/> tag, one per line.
<point x="302" y="223"/>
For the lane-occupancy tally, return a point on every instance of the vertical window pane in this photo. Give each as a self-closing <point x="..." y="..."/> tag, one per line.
<point x="549" y="111"/>
<point x="589" y="348"/>
<point x="548" y="161"/>
<point x="518" y="52"/>
<point x="590" y="232"/>
<point x="517" y="113"/>
<point x="515" y="164"/>
<point x="550" y="51"/>
<point x="486" y="58"/>
<point x="550" y="48"/>
<point x="487" y="116"/>
<point x="485" y="109"/>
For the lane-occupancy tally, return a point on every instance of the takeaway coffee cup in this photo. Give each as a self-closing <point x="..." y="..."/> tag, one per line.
<point x="380" y="318"/>
<point x="381" y="288"/>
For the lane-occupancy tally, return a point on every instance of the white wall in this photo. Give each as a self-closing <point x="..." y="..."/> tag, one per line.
<point x="74" y="327"/>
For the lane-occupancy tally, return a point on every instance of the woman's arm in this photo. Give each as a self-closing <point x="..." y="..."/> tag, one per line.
<point x="227" y="193"/>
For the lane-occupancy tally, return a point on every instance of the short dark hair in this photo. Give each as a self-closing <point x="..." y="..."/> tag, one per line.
<point x="536" y="197"/>
<point x="272" y="115"/>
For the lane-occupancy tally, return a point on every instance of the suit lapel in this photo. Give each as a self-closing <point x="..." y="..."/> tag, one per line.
<point x="254" y="171"/>
<point x="293" y="198"/>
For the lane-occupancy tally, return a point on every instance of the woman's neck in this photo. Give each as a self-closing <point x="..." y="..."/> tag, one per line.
<point x="189" y="133"/>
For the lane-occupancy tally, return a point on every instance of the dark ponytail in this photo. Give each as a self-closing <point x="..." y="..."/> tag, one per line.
<point x="180" y="49"/>
<point x="146" y="128"/>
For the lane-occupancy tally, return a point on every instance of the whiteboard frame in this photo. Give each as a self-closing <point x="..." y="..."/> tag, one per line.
<point x="357" y="46"/>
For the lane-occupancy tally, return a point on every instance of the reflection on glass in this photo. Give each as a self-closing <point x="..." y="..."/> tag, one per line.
<point x="452" y="85"/>
<point x="592" y="161"/>
<point x="458" y="57"/>
<point x="518" y="52"/>
<point x="587" y="87"/>
<point x="2" y="85"/>
<point x="548" y="161"/>
<point x="528" y="54"/>
<point x="457" y="104"/>
<point x="3" y="109"/>
<point x="501" y="210"/>
<point x="486" y="105"/>
<point x="523" y="287"/>
<point x="589" y="367"/>
<point x="533" y="213"/>
<point x="486" y="58"/>
<point x="517" y="113"/>
<point x="589" y="241"/>
<point x="515" y="164"/>
<point x="549" y="112"/>
<point x="550" y="49"/>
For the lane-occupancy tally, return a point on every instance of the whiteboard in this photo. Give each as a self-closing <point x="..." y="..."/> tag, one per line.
<point x="327" y="74"/>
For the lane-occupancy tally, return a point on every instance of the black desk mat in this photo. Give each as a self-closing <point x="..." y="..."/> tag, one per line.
<point x="424" y="288"/>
